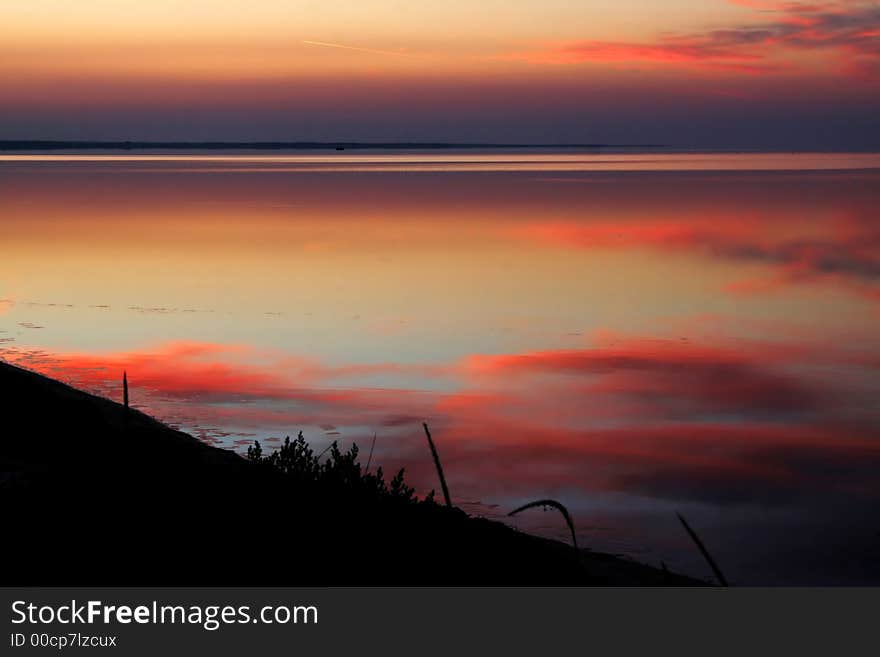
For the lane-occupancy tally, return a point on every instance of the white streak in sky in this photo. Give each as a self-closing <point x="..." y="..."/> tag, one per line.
<point x="344" y="47"/>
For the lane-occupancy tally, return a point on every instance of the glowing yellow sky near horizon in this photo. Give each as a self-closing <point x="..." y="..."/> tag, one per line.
<point x="369" y="21"/>
<point x="235" y="38"/>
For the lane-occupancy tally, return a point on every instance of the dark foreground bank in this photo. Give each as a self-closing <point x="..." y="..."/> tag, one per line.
<point x="92" y="494"/>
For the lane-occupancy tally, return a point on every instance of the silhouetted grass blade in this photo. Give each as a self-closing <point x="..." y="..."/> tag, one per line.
<point x="125" y="389"/>
<point x="708" y="557"/>
<point x="556" y="505"/>
<point x="439" y="467"/>
<point x="370" y="459"/>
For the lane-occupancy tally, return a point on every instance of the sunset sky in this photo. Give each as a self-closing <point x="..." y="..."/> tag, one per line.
<point x="637" y="333"/>
<point x="740" y="73"/>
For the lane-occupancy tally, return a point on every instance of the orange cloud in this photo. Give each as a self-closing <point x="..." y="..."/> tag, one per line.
<point x="845" y="31"/>
<point x="690" y="51"/>
<point x="194" y="383"/>
<point x="705" y="421"/>
<point x="661" y="379"/>
<point x="850" y="258"/>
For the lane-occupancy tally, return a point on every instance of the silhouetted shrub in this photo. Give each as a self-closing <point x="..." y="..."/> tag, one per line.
<point x="340" y="474"/>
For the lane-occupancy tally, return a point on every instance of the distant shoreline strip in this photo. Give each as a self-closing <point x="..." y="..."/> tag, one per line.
<point x="46" y="145"/>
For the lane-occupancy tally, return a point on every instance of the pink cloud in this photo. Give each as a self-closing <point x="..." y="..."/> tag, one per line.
<point x="849" y="258"/>
<point x="844" y="31"/>
<point x="703" y="420"/>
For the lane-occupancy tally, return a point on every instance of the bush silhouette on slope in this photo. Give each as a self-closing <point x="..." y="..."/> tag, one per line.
<point x="94" y="494"/>
<point x="339" y="475"/>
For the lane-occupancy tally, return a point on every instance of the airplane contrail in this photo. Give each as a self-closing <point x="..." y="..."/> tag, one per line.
<point x="344" y="47"/>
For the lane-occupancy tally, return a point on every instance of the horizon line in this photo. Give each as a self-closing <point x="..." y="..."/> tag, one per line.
<point x="75" y="144"/>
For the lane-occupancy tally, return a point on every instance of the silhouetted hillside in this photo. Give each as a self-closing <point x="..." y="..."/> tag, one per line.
<point x="94" y="495"/>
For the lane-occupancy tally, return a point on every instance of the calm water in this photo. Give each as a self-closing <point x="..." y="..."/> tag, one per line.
<point x="633" y="335"/>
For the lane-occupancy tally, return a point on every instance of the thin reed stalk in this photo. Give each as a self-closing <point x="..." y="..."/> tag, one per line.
<point x="439" y="467"/>
<point x="370" y="458"/>
<point x="125" y="389"/>
<point x="708" y="557"/>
